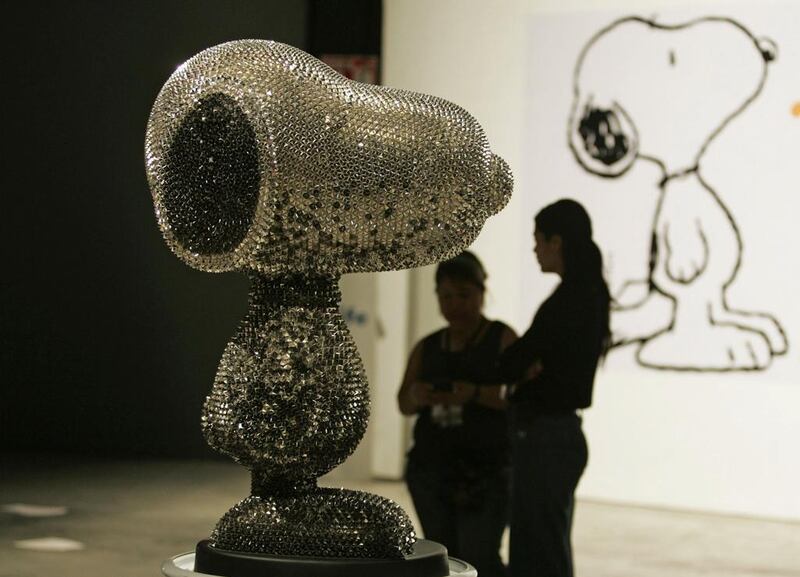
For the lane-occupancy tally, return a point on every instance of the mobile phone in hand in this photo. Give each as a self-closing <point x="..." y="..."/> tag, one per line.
<point x="442" y="386"/>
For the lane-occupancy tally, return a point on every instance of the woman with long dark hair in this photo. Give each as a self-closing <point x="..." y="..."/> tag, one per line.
<point x="554" y="365"/>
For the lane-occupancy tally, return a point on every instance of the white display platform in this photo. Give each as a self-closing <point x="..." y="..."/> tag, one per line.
<point x="183" y="566"/>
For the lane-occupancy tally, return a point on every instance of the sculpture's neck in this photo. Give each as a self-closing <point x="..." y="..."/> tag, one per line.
<point x="268" y="485"/>
<point x="293" y="291"/>
<point x="286" y="325"/>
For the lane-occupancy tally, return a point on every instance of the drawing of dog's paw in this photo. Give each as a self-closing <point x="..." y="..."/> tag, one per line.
<point x="713" y="348"/>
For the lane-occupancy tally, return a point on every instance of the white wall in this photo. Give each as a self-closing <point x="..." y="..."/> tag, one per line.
<point x="376" y="309"/>
<point x="463" y="51"/>
<point x="715" y="442"/>
<point x="391" y="346"/>
<point x="359" y="306"/>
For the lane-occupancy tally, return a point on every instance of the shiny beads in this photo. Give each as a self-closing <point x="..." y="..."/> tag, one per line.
<point x="264" y="160"/>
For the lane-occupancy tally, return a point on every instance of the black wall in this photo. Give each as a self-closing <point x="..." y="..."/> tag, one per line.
<point x="108" y="343"/>
<point x="344" y="26"/>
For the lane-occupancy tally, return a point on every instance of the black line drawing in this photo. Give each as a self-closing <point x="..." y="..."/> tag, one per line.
<point x="681" y="320"/>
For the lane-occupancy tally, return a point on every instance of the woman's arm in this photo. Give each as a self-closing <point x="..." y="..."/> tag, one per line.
<point x="414" y="394"/>
<point x="518" y="357"/>
<point x="565" y="379"/>
<point x="507" y="338"/>
<point x="491" y="396"/>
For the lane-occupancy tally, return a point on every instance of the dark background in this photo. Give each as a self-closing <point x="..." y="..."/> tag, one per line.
<point x="108" y="342"/>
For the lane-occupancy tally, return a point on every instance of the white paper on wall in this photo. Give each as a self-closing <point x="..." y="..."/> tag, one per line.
<point x="680" y="133"/>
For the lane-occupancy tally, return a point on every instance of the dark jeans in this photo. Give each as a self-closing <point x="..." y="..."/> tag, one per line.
<point x="548" y="459"/>
<point x="470" y="530"/>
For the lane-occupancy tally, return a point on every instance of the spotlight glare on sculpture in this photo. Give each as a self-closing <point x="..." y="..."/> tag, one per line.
<point x="261" y="159"/>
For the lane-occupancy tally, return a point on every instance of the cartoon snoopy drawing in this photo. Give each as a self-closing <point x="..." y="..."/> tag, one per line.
<point x="645" y="91"/>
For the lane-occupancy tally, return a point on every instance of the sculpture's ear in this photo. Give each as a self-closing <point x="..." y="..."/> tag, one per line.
<point x="603" y="139"/>
<point x="211" y="177"/>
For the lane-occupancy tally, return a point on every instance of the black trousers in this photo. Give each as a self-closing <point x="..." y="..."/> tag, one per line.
<point x="549" y="456"/>
<point x="470" y="530"/>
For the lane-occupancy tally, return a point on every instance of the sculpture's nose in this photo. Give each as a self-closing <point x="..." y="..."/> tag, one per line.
<point x="501" y="183"/>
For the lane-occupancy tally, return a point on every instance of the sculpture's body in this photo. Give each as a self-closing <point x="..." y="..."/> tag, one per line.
<point x="290" y="402"/>
<point x="262" y="159"/>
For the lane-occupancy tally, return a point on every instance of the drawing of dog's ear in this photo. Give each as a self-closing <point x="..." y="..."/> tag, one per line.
<point x="603" y="138"/>
<point x="768" y="49"/>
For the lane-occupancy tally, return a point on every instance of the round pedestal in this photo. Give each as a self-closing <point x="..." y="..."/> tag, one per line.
<point x="183" y="565"/>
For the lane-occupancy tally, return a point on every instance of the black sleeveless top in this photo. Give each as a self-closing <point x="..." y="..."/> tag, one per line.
<point x="477" y="437"/>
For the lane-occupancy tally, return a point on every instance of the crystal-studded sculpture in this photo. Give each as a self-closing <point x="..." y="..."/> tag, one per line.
<point x="264" y="160"/>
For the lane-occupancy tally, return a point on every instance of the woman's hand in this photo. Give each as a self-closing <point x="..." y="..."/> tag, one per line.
<point x="463" y="392"/>
<point x="530" y="375"/>
<point x="533" y="371"/>
<point x="422" y="394"/>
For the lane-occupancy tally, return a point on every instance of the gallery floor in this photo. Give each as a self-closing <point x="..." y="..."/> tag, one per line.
<point x="129" y="516"/>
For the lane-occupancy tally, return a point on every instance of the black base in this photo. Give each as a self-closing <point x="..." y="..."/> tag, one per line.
<point x="429" y="559"/>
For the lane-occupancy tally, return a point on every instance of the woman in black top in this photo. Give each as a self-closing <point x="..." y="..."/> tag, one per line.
<point x="554" y="364"/>
<point x="457" y="470"/>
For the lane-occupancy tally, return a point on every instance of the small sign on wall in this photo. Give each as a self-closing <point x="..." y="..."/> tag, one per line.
<point x="358" y="67"/>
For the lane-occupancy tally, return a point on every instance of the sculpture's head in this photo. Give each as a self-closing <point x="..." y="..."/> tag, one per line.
<point x="261" y="157"/>
<point x="663" y="92"/>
